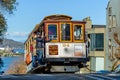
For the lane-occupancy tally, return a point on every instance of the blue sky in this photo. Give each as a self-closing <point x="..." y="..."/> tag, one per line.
<point x="31" y="12"/>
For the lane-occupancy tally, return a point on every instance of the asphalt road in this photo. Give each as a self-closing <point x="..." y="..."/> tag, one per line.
<point x="61" y="77"/>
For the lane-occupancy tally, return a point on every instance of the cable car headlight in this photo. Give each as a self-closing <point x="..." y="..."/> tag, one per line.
<point x="53" y="49"/>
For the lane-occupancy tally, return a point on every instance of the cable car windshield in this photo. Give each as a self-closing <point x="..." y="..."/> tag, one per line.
<point x="65" y="32"/>
<point x="52" y="31"/>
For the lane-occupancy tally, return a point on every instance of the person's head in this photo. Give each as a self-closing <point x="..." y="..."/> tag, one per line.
<point x="38" y="34"/>
<point x="34" y="35"/>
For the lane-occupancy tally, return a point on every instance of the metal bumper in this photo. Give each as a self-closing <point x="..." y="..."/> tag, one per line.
<point x="67" y="60"/>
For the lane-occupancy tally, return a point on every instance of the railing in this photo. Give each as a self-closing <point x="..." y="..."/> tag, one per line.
<point x="11" y="54"/>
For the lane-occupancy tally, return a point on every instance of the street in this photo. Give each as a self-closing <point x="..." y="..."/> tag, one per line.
<point x="92" y="76"/>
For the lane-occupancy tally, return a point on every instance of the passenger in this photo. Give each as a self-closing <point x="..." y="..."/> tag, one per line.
<point x="31" y="48"/>
<point x="39" y="41"/>
<point x="39" y="48"/>
<point x="35" y="63"/>
<point x="77" y="33"/>
<point x="34" y="57"/>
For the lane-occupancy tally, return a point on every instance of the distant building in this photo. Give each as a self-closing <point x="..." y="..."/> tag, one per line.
<point x="19" y="50"/>
<point x="113" y="31"/>
<point x="2" y="48"/>
<point x="97" y="49"/>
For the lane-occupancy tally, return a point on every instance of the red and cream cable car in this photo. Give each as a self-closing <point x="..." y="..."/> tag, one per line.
<point x="64" y="43"/>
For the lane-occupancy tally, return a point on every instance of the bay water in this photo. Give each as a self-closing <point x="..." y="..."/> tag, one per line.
<point x="8" y="62"/>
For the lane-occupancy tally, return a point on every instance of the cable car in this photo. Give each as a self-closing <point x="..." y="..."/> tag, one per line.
<point x="56" y="44"/>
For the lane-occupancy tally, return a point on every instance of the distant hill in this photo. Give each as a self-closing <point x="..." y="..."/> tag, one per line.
<point x="11" y="44"/>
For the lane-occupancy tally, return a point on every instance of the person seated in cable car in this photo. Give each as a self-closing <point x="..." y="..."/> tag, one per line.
<point x="77" y="33"/>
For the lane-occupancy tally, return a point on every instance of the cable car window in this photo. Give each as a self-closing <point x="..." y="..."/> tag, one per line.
<point x="77" y="32"/>
<point x="65" y="35"/>
<point x="52" y="31"/>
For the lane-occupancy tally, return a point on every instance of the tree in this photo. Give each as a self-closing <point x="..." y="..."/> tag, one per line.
<point x="3" y="27"/>
<point x="6" y="6"/>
